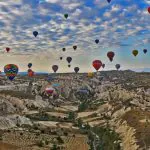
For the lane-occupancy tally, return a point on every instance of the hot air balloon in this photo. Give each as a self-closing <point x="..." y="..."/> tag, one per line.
<point x="64" y="49"/>
<point x="96" y="41"/>
<point x="69" y="59"/>
<point x="97" y="64"/>
<point x="49" y="90"/>
<point x="90" y="74"/>
<point x="103" y="65"/>
<point x="61" y="58"/>
<point x="117" y="66"/>
<point x="29" y="65"/>
<point x="11" y="71"/>
<point x="145" y="51"/>
<point x="30" y="73"/>
<point x="35" y="33"/>
<point x="148" y="9"/>
<point x="66" y="16"/>
<point x="108" y="1"/>
<point x="74" y="47"/>
<point x="76" y="69"/>
<point x="110" y="55"/>
<point x="69" y="66"/>
<point x="55" y="68"/>
<point x="7" y="49"/>
<point x="135" y="52"/>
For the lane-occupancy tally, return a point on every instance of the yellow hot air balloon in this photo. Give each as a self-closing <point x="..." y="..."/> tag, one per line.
<point x="90" y="74"/>
<point x="135" y="52"/>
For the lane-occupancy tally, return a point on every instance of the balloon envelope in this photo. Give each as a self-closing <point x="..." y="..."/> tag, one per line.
<point x="74" y="47"/>
<point x="96" y="41"/>
<point x="110" y="55"/>
<point x="64" y="49"/>
<point x="55" y="68"/>
<point x="148" y="9"/>
<point x="103" y="65"/>
<point x="11" y="71"/>
<point x="30" y="73"/>
<point x="29" y="65"/>
<point x="7" y="49"/>
<point x="135" y="52"/>
<point x="145" y="51"/>
<point x="35" y="33"/>
<point x="69" y="59"/>
<point x="49" y="90"/>
<point x="118" y="66"/>
<point x="76" y="69"/>
<point x="97" y="64"/>
<point x="66" y="16"/>
<point x="108" y="1"/>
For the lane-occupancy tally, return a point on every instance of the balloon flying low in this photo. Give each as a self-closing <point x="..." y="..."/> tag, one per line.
<point x="11" y="71"/>
<point x="55" y="68"/>
<point x="117" y="66"/>
<point x="97" y="64"/>
<point x="108" y="1"/>
<point x="148" y="9"/>
<point x="76" y="69"/>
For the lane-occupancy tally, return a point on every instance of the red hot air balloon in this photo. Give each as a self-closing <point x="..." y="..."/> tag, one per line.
<point x="110" y="55"/>
<point x="55" y="68"/>
<point x="148" y="9"/>
<point x="7" y="49"/>
<point x="97" y="64"/>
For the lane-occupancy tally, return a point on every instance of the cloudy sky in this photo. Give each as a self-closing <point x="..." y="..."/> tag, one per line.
<point x="121" y="26"/>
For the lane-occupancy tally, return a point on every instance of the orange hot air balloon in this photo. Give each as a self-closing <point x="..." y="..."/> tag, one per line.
<point x="97" y="64"/>
<point x="110" y="55"/>
<point x="135" y="52"/>
<point x="31" y="73"/>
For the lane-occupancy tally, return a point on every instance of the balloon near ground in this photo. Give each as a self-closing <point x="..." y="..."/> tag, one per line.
<point x="97" y="64"/>
<point x="11" y="71"/>
<point x="55" y="68"/>
<point x="29" y="65"/>
<point x="103" y="65"/>
<point x="117" y="66"/>
<point x="76" y="69"/>
<point x="148" y="9"/>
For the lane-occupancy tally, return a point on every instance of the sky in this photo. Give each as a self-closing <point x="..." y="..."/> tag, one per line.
<point x="121" y="26"/>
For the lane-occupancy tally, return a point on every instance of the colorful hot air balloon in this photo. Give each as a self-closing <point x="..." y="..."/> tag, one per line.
<point x="66" y="16"/>
<point x="108" y="1"/>
<point x="97" y="64"/>
<point x="49" y="90"/>
<point x="148" y="9"/>
<point x="69" y="59"/>
<point x="110" y="55"/>
<point x="29" y="65"/>
<point x="96" y="41"/>
<point x="76" y="69"/>
<point x="117" y="66"/>
<point x="64" y="49"/>
<point x="30" y="73"/>
<point x="35" y="33"/>
<point x="135" y="52"/>
<point x="7" y="49"/>
<point x="145" y="51"/>
<point x="103" y="65"/>
<point x="90" y="74"/>
<point x="11" y="71"/>
<point x="74" y="47"/>
<point x="55" y="68"/>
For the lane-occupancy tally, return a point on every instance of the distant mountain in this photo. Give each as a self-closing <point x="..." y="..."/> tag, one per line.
<point x="142" y="70"/>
